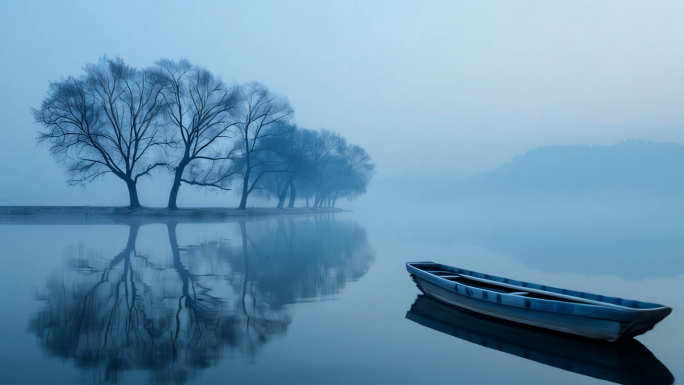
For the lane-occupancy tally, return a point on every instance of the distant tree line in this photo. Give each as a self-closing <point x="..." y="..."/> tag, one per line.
<point x="181" y="118"/>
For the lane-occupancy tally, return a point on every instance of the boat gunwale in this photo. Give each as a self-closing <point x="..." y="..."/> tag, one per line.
<point x="620" y="308"/>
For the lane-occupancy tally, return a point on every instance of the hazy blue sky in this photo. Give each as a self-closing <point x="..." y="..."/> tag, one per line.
<point x="452" y="87"/>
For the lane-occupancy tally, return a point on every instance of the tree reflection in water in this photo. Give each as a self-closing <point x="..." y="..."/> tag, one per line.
<point x="177" y="317"/>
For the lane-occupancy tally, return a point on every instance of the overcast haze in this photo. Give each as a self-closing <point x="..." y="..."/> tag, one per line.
<point x="427" y="88"/>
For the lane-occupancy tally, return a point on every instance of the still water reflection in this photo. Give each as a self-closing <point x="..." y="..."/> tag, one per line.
<point x="172" y="316"/>
<point x="293" y="299"/>
<point x="625" y="362"/>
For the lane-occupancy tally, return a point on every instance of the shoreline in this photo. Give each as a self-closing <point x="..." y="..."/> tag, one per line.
<point x="125" y="215"/>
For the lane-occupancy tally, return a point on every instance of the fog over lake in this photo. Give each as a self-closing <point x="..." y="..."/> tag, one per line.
<point x="440" y="88"/>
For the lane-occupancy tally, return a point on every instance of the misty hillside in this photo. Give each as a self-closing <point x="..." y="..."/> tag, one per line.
<point x="628" y="168"/>
<point x="631" y="165"/>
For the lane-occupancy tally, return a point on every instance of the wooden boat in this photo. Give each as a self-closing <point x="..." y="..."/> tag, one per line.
<point x="568" y="311"/>
<point x="623" y="362"/>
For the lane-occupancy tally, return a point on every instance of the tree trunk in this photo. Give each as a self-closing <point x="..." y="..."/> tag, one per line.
<point x="245" y="191"/>
<point x="173" y="195"/>
<point x="292" y="195"/>
<point x="335" y="199"/>
<point x="245" y="182"/>
<point x="281" y="197"/>
<point x="132" y="194"/>
<point x="320" y="198"/>
<point x="307" y="202"/>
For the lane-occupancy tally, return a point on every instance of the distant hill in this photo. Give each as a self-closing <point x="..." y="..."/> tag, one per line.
<point x="628" y="169"/>
<point x="629" y="166"/>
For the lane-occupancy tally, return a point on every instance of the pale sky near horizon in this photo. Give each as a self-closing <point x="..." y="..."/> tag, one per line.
<point x="452" y="87"/>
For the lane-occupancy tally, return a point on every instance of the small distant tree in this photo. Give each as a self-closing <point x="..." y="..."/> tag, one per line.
<point x="324" y="156"/>
<point x="355" y="176"/>
<point x="258" y="113"/>
<point x="104" y="122"/>
<point x="198" y="111"/>
<point x="278" y="162"/>
<point x="314" y="149"/>
<point x="304" y="167"/>
<point x="340" y="168"/>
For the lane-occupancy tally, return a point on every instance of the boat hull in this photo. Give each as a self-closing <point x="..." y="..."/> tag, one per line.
<point x="586" y="320"/>
<point x="581" y="326"/>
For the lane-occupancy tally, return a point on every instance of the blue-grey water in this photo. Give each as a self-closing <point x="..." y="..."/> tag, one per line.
<point x="323" y="299"/>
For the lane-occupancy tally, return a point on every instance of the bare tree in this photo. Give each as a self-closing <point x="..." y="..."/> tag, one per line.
<point x="104" y="122"/>
<point x="259" y="111"/>
<point x="198" y="107"/>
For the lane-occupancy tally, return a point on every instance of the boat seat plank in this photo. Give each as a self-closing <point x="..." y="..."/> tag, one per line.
<point x="547" y="293"/>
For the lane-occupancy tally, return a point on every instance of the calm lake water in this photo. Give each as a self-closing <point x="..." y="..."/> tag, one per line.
<point x="318" y="300"/>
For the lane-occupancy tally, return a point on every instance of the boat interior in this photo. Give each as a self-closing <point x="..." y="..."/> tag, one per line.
<point x="464" y="280"/>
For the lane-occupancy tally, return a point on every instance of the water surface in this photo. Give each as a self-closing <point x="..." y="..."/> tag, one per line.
<point x="298" y="299"/>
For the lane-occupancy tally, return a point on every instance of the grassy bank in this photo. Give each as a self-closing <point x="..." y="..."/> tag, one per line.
<point x="87" y="214"/>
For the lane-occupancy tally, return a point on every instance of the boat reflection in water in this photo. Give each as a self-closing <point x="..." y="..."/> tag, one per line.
<point x="175" y="314"/>
<point x="623" y="362"/>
